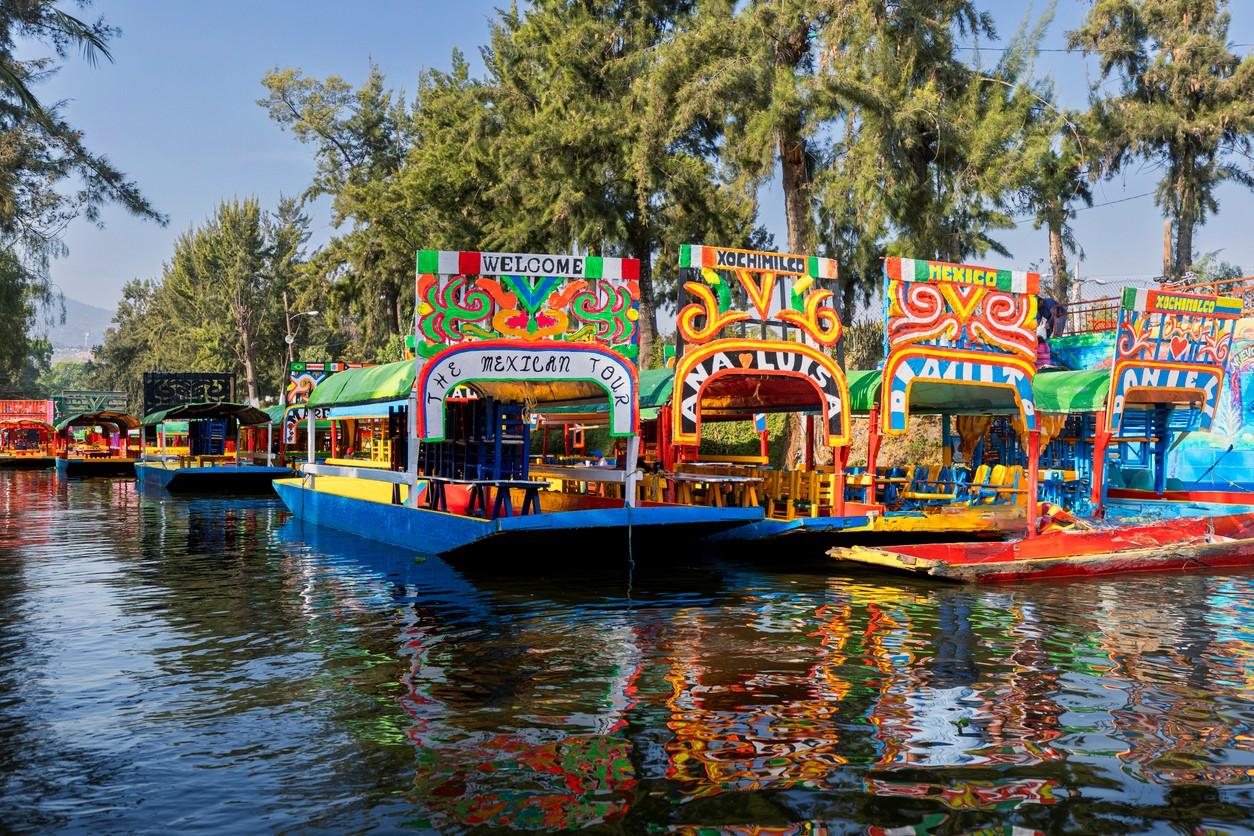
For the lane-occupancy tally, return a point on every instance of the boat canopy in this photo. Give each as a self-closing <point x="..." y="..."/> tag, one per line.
<point x="120" y="419"/>
<point x="932" y="397"/>
<point x="1071" y="391"/>
<point x="365" y="385"/>
<point x="24" y="424"/>
<point x="242" y="412"/>
<point x="655" y="392"/>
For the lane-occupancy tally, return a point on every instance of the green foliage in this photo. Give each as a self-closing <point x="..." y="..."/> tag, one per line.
<point x="739" y="438"/>
<point x="864" y="344"/>
<point x="218" y="303"/>
<point x="48" y="177"/>
<point x="1186" y="104"/>
<point x="66" y="375"/>
<point x="590" y="155"/>
<point x="1211" y="268"/>
<point x="932" y="149"/>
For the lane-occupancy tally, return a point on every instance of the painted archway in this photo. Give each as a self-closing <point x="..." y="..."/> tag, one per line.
<point x="583" y="370"/>
<point x="706" y="363"/>
<point x="1165" y="382"/>
<point x="961" y="368"/>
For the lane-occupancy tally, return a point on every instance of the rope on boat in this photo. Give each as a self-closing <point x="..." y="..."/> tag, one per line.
<point x="631" y="557"/>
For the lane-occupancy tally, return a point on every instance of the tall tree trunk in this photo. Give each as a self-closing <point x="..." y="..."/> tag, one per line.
<point x="642" y="249"/>
<point x="1058" y="261"/>
<point x="1184" y="242"/>
<point x="250" y="366"/>
<point x="1168" y="261"/>
<point x="796" y="179"/>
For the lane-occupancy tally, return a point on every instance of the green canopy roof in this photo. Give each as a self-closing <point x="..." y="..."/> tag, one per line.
<point x="931" y="398"/>
<point x="864" y="388"/>
<point x="367" y="384"/>
<point x="121" y="419"/>
<point x="242" y="412"/>
<point x="1079" y="391"/>
<point x="655" y="392"/>
<point x="655" y="387"/>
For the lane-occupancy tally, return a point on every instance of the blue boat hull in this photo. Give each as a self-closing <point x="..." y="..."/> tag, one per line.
<point x="775" y="529"/>
<point x="436" y="532"/>
<point x="244" y="479"/>
<point x="84" y="468"/>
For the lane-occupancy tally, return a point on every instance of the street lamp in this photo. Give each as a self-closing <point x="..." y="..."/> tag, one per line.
<point x="290" y="339"/>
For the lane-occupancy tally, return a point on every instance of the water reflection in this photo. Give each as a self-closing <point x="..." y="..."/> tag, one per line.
<point x="172" y="662"/>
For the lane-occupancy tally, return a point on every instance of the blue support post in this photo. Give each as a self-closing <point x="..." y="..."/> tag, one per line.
<point x="1162" y="432"/>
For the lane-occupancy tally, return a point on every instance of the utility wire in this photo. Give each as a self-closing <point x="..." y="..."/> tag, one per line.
<point x="1017" y="221"/>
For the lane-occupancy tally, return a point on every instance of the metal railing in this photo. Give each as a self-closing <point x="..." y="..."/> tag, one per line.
<point x="1095" y="315"/>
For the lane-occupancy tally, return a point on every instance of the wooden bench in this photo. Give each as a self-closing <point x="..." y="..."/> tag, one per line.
<point x="477" y="506"/>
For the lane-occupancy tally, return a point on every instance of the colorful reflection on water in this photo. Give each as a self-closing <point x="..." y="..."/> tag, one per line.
<point x="212" y="664"/>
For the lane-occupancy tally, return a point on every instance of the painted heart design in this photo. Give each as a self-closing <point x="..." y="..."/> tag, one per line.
<point x="746" y="359"/>
<point x="1179" y="345"/>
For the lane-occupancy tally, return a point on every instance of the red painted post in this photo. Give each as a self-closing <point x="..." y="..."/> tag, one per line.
<point x="1034" y="474"/>
<point x="1101" y="441"/>
<point x="872" y="452"/>
<point x="839" y="460"/>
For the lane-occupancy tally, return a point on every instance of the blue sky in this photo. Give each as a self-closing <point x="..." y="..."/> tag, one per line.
<point x="176" y="111"/>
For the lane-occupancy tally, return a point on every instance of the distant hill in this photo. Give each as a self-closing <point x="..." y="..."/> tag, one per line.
<point x="83" y="328"/>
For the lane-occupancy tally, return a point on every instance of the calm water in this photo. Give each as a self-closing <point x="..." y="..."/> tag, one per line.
<point x="209" y="665"/>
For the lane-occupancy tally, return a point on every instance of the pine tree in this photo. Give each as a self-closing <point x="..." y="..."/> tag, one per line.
<point x="1186" y="103"/>
<point x="48" y="177"/>
<point x="933" y="148"/>
<point x="589" y="155"/>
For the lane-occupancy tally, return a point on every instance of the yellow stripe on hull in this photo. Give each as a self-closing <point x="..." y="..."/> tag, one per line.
<point x="363" y="489"/>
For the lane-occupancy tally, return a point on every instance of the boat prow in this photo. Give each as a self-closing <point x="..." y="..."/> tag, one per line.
<point x="1197" y="543"/>
<point x="216" y="477"/>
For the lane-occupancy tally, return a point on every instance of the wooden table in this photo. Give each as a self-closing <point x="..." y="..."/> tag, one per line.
<point x="745" y="486"/>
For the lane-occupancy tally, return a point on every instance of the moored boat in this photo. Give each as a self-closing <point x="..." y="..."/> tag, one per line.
<point x="95" y="444"/>
<point x="210" y="461"/>
<point x="499" y="337"/>
<point x="26" y="434"/>
<point x="1216" y="542"/>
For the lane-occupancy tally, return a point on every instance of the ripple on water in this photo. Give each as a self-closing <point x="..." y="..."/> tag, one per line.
<point x="212" y="664"/>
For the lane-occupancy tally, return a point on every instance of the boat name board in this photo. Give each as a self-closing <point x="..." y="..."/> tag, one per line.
<point x="1206" y="382"/>
<point x="920" y="270"/>
<point x="696" y="370"/>
<point x="506" y="363"/>
<point x="698" y="256"/>
<point x="902" y="371"/>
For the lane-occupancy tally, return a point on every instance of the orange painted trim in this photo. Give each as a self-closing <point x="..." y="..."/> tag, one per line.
<point x="685" y="365"/>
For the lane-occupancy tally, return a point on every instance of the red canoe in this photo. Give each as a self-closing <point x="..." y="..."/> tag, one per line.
<point x="1195" y="543"/>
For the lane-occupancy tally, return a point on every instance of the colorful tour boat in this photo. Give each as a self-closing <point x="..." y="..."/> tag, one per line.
<point x="208" y="457"/>
<point x="26" y="434"/>
<point x="95" y="444"/>
<point x="500" y="338"/>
